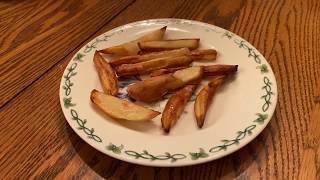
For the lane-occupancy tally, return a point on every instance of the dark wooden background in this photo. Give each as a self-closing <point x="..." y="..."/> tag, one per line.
<point x="38" y="38"/>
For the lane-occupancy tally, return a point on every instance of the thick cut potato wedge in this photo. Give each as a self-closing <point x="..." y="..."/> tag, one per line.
<point x="175" y="107"/>
<point x="132" y="48"/>
<point x="155" y="35"/>
<point x="204" y="54"/>
<point x="148" y="66"/>
<point x="211" y="70"/>
<point x="196" y="55"/>
<point x="219" y="69"/>
<point x="169" y="44"/>
<point x="147" y="57"/>
<point x="107" y="76"/>
<point x="160" y="72"/>
<point x="121" y="109"/>
<point x="204" y="98"/>
<point x="152" y="89"/>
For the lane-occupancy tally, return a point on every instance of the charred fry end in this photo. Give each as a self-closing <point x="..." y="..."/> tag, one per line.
<point x="219" y="69"/>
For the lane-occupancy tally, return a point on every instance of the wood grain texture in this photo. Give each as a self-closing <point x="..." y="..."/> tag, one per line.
<point x="37" y="34"/>
<point x="38" y="143"/>
<point x="309" y="168"/>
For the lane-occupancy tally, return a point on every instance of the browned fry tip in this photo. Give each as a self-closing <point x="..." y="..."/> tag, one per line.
<point x="107" y="76"/>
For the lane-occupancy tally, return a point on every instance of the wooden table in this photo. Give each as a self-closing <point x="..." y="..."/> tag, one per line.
<point x="38" y="38"/>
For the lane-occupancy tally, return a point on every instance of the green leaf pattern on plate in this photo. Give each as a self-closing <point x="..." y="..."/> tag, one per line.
<point x="200" y="154"/>
<point x="146" y="155"/>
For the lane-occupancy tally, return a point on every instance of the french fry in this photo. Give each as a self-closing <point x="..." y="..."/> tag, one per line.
<point x="148" y="66"/>
<point x="211" y="70"/>
<point x="118" y="108"/>
<point x="147" y="57"/>
<point x="175" y="107"/>
<point x="106" y="74"/>
<point x="219" y="69"/>
<point x="169" y="44"/>
<point x="132" y="48"/>
<point x="160" y="72"/>
<point x="197" y="55"/>
<point x="204" y="54"/>
<point x="155" y="35"/>
<point x="152" y="89"/>
<point x="204" y="97"/>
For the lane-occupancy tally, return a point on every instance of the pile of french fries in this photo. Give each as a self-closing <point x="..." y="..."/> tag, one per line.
<point x="169" y="66"/>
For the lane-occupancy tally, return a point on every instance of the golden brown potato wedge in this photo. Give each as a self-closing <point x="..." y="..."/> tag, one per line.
<point x="152" y="89"/>
<point x="117" y="108"/>
<point x="147" y="57"/>
<point x="211" y="70"/>
<point x="148" y="66"/>
<point x="204" y="54"/>
<point x="204" y="97"/>
<point x="219" y="69"/>
<point x="160" y="72"/>
<point x="132" y="48"/>
<point x="175" y="107"/>
<point x="169" y="44"/>
<point x="107" y="76"/>
<point x="197" y="55"/>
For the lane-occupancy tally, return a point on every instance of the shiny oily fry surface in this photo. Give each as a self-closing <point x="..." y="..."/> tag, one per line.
<point x="107" y="76"/>
<point x="175" y="107"/>
<point x="204" y="97"/>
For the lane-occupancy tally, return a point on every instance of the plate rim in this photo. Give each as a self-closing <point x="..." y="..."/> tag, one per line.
<point x="113" y="149"/>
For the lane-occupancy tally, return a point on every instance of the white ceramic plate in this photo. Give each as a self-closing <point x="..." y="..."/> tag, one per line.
<point x="240" y="110"/>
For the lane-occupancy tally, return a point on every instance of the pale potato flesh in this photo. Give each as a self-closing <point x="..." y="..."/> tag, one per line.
<point x="152" y="89"/>
<point x="118" y="108"/>
<point x="189" y="74"/>
<point x="132" y="48"/>
<point x="155" y="35"/>
<point x="160" y="72"/>
<point x="169" y="44"/>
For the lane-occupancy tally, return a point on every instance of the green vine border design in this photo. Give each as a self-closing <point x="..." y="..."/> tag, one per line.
<point x="146" y="155"/>
<point x="168" y="156"/>
<point x="105" y="37"/>
<point x="226" y="142"/>
<point x="67" y="78"/>
<point x="268" y="93"/>
<point x="82" y="123"/>
<point x="251" y="51"/>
